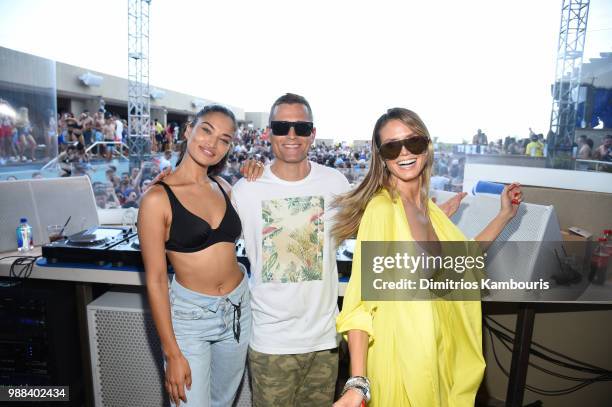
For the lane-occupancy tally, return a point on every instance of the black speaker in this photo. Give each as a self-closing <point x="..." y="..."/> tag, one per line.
<point x="39" y="337"/>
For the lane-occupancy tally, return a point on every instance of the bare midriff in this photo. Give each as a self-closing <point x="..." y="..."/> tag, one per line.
<point x="211" y="271"/>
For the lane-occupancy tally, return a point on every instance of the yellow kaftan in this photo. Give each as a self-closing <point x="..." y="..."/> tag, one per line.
<point x="421" y="353"/>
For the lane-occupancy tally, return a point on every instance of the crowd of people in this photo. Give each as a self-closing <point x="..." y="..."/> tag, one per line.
<point x="125" y="189"/>
<point x="255" y="143"/>
<point x="27" y="139"/>
<point x="535" y="145"/>
<point x="17" y="142"/>
<point x="20" y="140"/>
<point x="601" y="153"/>
<point x="447" y="172"/>
<point x="70" y="136"/>
<point x="110" y="128"/>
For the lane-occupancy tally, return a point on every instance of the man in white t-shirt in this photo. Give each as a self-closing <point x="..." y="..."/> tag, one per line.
<point x="118" y="128"/>
<point x="286" y="222"/>
<point x="164" y="161"/>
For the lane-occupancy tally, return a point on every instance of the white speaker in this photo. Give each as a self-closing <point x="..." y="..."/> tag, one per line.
<point x="126" y="356"/>
<point x="535" y="226"/>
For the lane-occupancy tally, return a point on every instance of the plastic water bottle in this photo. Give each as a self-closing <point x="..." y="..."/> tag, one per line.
<point x="25" y="240"/>
<point x="599" y="263"/>
<point x="607" y="233"/>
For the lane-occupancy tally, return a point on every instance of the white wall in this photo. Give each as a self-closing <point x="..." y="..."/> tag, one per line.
<point x="540" y="177"/>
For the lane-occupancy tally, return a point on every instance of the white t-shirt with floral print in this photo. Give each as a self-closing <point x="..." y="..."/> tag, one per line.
<point x="294" y="279"/>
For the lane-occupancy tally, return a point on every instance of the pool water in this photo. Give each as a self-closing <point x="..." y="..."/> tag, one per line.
<point x="96" y="169"/>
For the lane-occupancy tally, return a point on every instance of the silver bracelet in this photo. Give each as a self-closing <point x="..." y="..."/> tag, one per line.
<point x="359" y="383"/>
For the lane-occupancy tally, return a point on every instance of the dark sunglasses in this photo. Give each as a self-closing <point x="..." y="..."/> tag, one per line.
<point x="416" y="145"/>
<point x="302" y="129"/>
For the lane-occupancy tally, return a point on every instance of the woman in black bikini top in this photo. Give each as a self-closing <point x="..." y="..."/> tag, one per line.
<point x="204" y="320"/>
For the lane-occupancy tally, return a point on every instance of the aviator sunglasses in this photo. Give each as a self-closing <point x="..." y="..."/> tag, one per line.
<point x="416" y="145"/>
<point x="281" y="128"/>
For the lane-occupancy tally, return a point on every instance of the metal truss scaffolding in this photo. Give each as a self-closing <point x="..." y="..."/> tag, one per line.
<point x="139" y="108"/>
<point x="572" y="34"/>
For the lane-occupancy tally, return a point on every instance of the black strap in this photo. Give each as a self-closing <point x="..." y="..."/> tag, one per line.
<point x="173" y="199"/>
<point x="236" y="320"/>
<point x="221" y="188"/>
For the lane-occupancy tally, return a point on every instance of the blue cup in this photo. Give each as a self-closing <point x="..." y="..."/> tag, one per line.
<point x="486" y="187"/>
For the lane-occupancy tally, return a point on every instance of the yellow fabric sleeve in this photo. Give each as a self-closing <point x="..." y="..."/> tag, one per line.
<point x="374" y="226"/>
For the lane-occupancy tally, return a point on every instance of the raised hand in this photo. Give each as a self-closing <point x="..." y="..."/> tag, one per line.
<point x="510" y="198"/>
<point x="450" y="206"/>
<point x="163" y="174"/>
<point x="251" y="169"/>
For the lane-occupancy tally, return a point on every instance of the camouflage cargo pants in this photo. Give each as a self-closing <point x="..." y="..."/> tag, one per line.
<point x="307" y="379"/>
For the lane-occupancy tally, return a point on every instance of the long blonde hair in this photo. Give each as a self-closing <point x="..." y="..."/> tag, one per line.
<point x="352" y="204"/>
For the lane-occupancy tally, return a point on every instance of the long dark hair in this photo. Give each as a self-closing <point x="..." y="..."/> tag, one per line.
<point x="218" y="167"/>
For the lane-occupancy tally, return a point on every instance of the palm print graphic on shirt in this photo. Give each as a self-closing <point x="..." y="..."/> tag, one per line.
<point x="292" y="239"/>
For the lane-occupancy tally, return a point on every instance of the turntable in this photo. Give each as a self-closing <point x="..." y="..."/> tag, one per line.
<point x="102" y="245"/>
<point x="119" y="246"/>
<point x="97" y="245"/>
<point x="96" y="236"/>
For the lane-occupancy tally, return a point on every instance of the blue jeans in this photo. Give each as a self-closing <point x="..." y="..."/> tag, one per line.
<point x="213" y="334"/>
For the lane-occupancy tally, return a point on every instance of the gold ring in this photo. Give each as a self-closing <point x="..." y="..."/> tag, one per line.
<point x="259" y="163"/>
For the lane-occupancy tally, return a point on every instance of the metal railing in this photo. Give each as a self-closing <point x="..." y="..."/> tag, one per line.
<point x="118" y="148"/>
<point x="595" y="164"/>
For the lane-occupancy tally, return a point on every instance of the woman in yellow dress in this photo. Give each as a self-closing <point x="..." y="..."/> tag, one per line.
<point x="408" y="353"/>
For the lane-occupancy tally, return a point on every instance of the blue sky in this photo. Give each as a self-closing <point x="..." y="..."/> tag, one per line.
<point x="460" y="65"/>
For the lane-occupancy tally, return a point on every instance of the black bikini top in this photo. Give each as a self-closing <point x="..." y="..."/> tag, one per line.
<point x="190" y="233"/>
